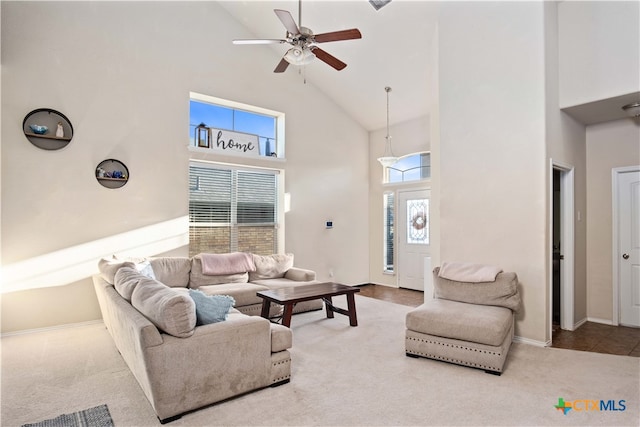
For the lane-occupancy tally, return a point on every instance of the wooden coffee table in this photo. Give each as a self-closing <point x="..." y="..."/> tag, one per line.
<point x="288" y="297"/>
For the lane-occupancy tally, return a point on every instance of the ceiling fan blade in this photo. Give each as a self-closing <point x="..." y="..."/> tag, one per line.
<point x="329" y="59"/>
<point x="287" y="21"/>
<point x="259" y="41"/>
<point x="282" y="66"/>
<point x="335" y="36"/>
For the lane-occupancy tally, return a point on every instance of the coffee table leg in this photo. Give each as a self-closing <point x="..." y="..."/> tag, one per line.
<point x="286" y="316"/>
<point x="328" y="305"/>
<point x="351" y="307"/>
<point x="266" y="304"/>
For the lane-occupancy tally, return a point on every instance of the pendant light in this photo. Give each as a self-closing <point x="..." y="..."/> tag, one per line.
<point x="387" y="158"/>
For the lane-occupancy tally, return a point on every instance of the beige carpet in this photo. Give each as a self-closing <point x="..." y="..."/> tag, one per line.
<point x="342" y="376"/>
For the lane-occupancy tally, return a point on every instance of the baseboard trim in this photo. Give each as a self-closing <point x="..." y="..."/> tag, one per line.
<point x="51" y="328"/>
<point x="528" y="341"/>
<point x="597" y="320"/>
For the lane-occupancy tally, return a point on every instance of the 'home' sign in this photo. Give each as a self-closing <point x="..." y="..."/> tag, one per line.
<point x="234" y="142"/>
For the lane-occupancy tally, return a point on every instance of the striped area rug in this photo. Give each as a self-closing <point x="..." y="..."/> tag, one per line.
<point x="92" y="417"/>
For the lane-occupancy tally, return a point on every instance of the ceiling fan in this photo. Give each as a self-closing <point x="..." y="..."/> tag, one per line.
<point x="304" y="44"/>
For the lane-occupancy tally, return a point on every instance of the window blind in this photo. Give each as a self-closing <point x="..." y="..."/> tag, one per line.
<point x="388" y="232"/>
<point x="232" y="210"/>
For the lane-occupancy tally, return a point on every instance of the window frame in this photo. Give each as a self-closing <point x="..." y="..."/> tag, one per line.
<point x="279" y="118"/>
<point x="386" y="173"/>
<point x="233" y="220"/>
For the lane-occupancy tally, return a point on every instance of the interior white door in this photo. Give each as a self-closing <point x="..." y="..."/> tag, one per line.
<point x="629" y="247"/>
<point x="413" y="238"/>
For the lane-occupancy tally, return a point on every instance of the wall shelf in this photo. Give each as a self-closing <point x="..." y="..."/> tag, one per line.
<point x="112" y="173"/>
<point x="35" y="135"/>
<point x="49" y="118"/>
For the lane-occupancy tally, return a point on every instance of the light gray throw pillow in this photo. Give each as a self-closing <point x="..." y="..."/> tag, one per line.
<point x="270" y="266"/>
<point x="503" y="292"/>
<point x="108" y="267"/>
<point x="172" y="271"/>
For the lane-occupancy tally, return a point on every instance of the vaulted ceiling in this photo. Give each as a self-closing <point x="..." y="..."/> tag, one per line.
<point x="395" y="50"/>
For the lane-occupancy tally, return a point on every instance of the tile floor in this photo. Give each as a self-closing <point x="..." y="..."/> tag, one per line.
<point x="590" y="336"/>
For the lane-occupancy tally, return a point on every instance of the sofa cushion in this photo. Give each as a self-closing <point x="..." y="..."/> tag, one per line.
<point x="108" y="267"/>
<point x="172" y="311"/>
<point x="270" y="266"/>
<point x="232" y="263"/>
<point x="503" y="292"/>
<point x="211" y="308"/>
<point x="282" y="283"/>
<point x="126" y="280"/>
<point x="172" y="271"/>
<point x="197" y="278"/>
<point x="243" y="293"/>
<point x="484" y="324"/>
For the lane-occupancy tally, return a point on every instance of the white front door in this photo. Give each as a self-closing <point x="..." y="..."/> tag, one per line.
<point x="413" y="237"/>
<point x="628" y="197"/>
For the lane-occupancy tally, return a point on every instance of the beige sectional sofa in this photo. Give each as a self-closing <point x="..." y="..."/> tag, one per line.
<point x="181" y="365"/>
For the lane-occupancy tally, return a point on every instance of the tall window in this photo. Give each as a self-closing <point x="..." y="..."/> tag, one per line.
<point x="413" y="167"/>
<point x="232" y="210"/>
<point x="388" y="232"/>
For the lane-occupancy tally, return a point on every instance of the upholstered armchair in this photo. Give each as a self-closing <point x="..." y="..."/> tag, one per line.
<point x="466" y="323"/>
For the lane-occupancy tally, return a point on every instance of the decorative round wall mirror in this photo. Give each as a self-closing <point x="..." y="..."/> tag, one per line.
<point x="47" y="129"/>
<point x="112" y="173"/>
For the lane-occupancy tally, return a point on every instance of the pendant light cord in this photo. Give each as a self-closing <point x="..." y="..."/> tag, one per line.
<point x="387" y="89"/>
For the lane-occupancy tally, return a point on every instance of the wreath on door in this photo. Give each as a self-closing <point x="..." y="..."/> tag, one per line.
<point x="419" y="221"/>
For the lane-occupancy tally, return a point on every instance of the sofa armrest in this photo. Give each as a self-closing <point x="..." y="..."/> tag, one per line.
<point x="300" y="274"/>
<point x="219" y="361"/>
<point x="281" y="338"/>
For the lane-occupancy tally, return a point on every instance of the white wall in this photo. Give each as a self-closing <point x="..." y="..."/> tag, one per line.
<point x="122" y="73"/>
<point x="609" y="145"/>
<point x="565" y="145"/>
<point x="599" y="50"/>
<point x="492" y="144"/>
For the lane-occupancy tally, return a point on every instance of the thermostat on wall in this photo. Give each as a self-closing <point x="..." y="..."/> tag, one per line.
<point x="329" y="224"/>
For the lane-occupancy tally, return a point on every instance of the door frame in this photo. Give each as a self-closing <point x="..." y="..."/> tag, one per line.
<point x="567" y="232"/>
<point x="615" y="248"/>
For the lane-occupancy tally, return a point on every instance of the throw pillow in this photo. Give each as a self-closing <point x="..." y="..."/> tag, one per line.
<point x="503" y="292"/>
<point x="270" y="266"/>
<point x="211" y="308"/>
<point x="172" y="271"/>
<point x="108" y="267"/>
<point x="145" y="269"/>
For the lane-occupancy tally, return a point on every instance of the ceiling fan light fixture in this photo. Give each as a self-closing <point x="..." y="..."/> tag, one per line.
<point x="299" y="56"/>
<point x="387" y="159"/>
<point x="633" y="109"/>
